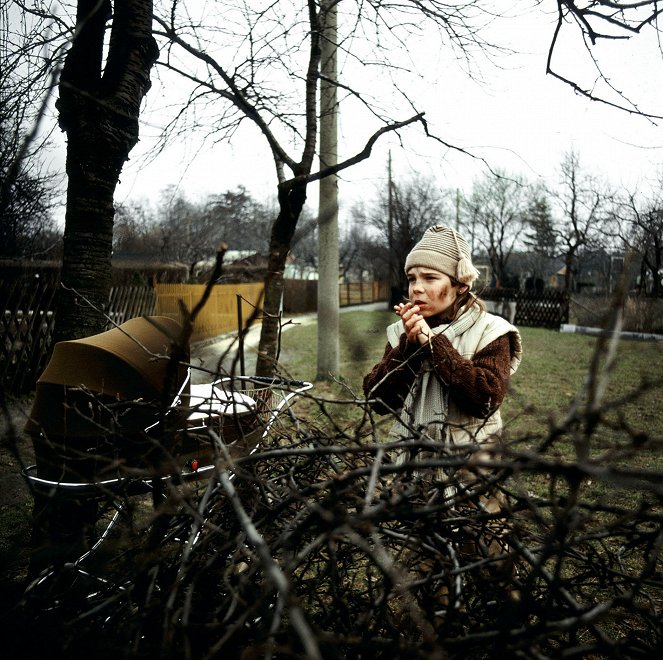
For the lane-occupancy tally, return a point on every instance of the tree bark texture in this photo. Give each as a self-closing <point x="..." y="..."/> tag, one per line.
<point x="292" y="195"/>
<point x="99" y="106"/>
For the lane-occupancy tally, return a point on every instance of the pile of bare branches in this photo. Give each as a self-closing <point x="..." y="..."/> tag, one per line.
<point x="332" y="543"/>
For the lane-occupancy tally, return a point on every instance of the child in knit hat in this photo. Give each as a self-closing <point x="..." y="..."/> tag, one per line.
<point x="447" y="363"/>
<point x="446" y="367"/>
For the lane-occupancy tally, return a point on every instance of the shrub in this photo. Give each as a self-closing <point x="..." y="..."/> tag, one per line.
<point x="640" y="314"/>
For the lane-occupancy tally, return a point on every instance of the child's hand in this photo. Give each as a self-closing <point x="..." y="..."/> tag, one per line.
<point x="414" y="324"/>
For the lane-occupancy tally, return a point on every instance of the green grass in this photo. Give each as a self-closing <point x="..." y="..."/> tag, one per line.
<point x="362" y="342"/>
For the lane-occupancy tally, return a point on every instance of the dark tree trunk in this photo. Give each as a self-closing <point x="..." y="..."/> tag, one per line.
<point x="99" y="107"/>
<point x="292" y="196"/>
<point x="569" y="262"/>
<point x="656" y="267"/>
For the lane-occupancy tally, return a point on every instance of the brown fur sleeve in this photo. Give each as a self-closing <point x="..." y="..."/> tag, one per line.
<point x="478" y="385"/>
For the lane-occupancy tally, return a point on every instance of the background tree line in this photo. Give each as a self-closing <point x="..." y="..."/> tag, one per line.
<point x="520" y="228"/>
<point x="578" y="220"/>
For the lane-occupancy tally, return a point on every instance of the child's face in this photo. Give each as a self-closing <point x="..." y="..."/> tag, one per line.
<point x="431" y="290"/>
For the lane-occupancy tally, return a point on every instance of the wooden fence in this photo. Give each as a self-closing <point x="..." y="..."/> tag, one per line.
<point x="27" y="316"/>
<point x="26" y="330"/>
<point x="26" y="313"/>
<point x="219" y="315"/>
<point x="301" y="296"/>
<point x="542" y="309"/>
<point x="127" y="302"/>
<point x="357" y="293"/>
<point x="27" y="319"/>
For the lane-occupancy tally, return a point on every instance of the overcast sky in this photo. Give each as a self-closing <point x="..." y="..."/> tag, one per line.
<point x="518" y="119"/>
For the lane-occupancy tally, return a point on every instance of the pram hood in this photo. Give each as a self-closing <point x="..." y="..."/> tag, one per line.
<point x="128" y="363"/>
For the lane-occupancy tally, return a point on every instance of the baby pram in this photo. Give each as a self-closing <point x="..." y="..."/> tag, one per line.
<point x="116" y="414"/>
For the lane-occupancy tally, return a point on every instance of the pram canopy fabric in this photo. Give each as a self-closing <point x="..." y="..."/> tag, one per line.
<point x="130" y="363"/>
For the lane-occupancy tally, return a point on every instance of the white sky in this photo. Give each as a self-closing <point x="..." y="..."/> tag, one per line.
<point x="519" y="120"/>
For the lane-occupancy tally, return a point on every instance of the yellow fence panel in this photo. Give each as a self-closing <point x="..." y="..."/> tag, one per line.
<point x="219" y="315"/>
<point x="355" y="293"/>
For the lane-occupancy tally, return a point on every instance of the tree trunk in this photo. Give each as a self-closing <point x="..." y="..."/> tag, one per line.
<point x="569" y="262"/>
<point x="99" y="105"/>
<point x="656" y="269"/>
<point x="292" y="195"/>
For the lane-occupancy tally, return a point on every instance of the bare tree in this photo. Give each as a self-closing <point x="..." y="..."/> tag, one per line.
<point x="281" y="40"/>
<point x="401" y="215"/>
<point x="27" y="191"/>
<point x="305" y="243"/>
<point x="259" y="562"/>
<point x="101" y="89"/>
<point x="584" y="206"/>
<point x="648" y="238"/>
<point x="253" y="94"/>
<point x="278" y="44"/>
<point x="240" y="220"/>
<point x="190" y="231"/>
<point x="539" y="237"/>
<point x="600" y="22"/>
<point x="185" y="231"/>
<point x="494" y="216"/>
<point x="134" y="229"/>
<point x="640" y="228"/>
<point x="357" y="251"/>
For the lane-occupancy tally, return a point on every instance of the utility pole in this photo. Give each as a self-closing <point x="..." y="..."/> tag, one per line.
<point x="328" y="250"/>
<point x="390" y="202"/>
<point x="393" y="275"/>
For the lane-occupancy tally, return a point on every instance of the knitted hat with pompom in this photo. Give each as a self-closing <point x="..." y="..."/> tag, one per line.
<point x="444" y="249"/>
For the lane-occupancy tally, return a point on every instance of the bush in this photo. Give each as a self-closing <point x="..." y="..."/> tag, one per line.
<point x="640" y="314"/>
<point x="321" y="545"/>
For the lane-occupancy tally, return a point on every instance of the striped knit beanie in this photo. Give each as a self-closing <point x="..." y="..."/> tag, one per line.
<point x="444" y="249"/>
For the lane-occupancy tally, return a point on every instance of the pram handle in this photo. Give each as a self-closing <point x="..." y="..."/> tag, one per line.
<point x="270" y="380"/>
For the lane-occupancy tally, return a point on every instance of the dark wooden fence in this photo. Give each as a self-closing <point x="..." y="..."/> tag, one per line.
<point x="26" y="328"/>
<point x="26" y="325"/>
<point x="543" y="309"/>
<point x="127" y="302"/>
<point x="301" y="296"/>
